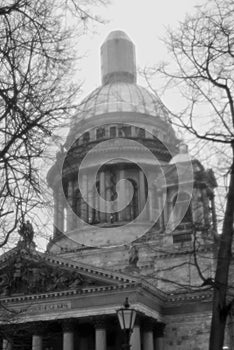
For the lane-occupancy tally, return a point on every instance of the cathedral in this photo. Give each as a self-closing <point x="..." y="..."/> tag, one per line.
<point x="134" y="220"/>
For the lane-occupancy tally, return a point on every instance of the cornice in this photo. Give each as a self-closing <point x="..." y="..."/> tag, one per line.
<point x="66" y="293"/>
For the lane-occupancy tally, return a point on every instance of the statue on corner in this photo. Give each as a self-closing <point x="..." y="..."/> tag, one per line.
<point x="26" y="231"/>
<point x="133" y="257"/>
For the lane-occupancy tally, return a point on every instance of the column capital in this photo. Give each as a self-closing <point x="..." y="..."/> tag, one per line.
<point x="100" y="322"/>
<point x="37" y="328"/>
<point x="159" y="329"/>
<point x="137" y="320"/>
<point x="68" y="325"/>
<point x="148" y="324"/>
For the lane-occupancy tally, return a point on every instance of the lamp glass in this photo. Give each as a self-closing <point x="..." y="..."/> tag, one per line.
<point x="126" y="318"/>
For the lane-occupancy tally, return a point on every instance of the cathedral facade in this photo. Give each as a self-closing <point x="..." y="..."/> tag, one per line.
<point x="134" y="217"/>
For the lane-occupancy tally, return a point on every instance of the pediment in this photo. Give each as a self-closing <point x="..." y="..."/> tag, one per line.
<point x="25" y="272"/>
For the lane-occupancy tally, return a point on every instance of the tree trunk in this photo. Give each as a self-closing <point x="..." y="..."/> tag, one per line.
<point x="220" y="307"/>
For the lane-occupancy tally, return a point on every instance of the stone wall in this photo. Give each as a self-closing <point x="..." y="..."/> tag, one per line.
<point x="187" y="332"/>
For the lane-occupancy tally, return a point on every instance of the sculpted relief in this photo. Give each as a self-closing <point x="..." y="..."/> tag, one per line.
<point x="22" y="276"/>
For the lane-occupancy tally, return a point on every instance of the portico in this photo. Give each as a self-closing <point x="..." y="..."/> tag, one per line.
<point x="80" y="317"/>
<point x="99" y="334"/>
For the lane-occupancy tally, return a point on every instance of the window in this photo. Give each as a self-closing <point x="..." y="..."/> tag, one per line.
<point x="100" y="133"/>
<point x="113" y="131"/>
<point x="124" y="131"/>
<point x="140" y="132"/>
<point x="182" y="237"/>
<point x="86" y="137"/>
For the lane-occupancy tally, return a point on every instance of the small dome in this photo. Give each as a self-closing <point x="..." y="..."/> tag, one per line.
<point x="180" y="158"/>
<point x="117" y="34"/>
<point x="121" y="97"/>
<point x="183" y="156"/>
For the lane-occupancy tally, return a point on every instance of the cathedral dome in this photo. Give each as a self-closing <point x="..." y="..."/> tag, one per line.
<point x="121" y="96"/>
<point x="119" y="99"/>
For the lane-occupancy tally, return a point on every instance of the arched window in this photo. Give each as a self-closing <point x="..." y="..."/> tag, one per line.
<point x="182" y="211"/>
<point x="100" y="133"/>
<point x="140" y="132"/>
<point x="113" y="131"/>
<point x="124" y="131"/>
<point x="86" y="137"/>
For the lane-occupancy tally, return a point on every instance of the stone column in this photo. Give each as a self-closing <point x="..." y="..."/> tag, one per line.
<point x="159" y="336"/>
<point x="83" y="344"/>
<point x="55" y="212"/>
<point x="148" y="340"/>
<point x="122" y="194"/>
<point x="135" y="339"/>
<point x="6" y="344"/>
<point x="68" y="335"/>
<point x="102" y="194"/>
<point x="37" y="342"/>
<point x="90" y="198"/>
<point x="69" y="206"/>
<point x="100" y="335"/>
<point x="161" y="209"/>
<point x="61" y="199"/>
<point x="151" y="203"/>
<point x="84" y="206"/>
<point x="159" y="343"/>
<point x="142" y="191"/>
<point x="108" y="195"/>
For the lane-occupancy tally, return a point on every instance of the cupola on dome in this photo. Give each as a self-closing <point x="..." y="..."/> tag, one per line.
<point x="119" y="91"/>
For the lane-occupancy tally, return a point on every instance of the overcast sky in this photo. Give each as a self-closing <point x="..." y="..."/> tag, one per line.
<point x="143" y="21"/>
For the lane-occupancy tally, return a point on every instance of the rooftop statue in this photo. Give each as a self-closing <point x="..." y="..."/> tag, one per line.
<point x="26" y="231"/>
<point x="133" y="256"/>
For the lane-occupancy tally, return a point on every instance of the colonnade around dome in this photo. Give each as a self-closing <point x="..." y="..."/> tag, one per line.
<point x="71" y="209"/>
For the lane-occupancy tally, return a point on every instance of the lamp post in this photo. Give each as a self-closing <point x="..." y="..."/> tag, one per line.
<point x="126" y="317"/>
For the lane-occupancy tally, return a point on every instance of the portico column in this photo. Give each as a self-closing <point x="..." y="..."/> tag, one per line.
<point x="83" y="344"/>
<point x="37" y="342"/>
<point x="6" y="344"/>
<point x="135" y="339"/>
<point x="68" y="335"/>
<point x="159" y="343"/>
<point x="159" y="336"/>
<point x="148" y="340"/>
<point x="100" y="335"/>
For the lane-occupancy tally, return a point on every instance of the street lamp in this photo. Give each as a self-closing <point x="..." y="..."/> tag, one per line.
<point x="126" y="317"/>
